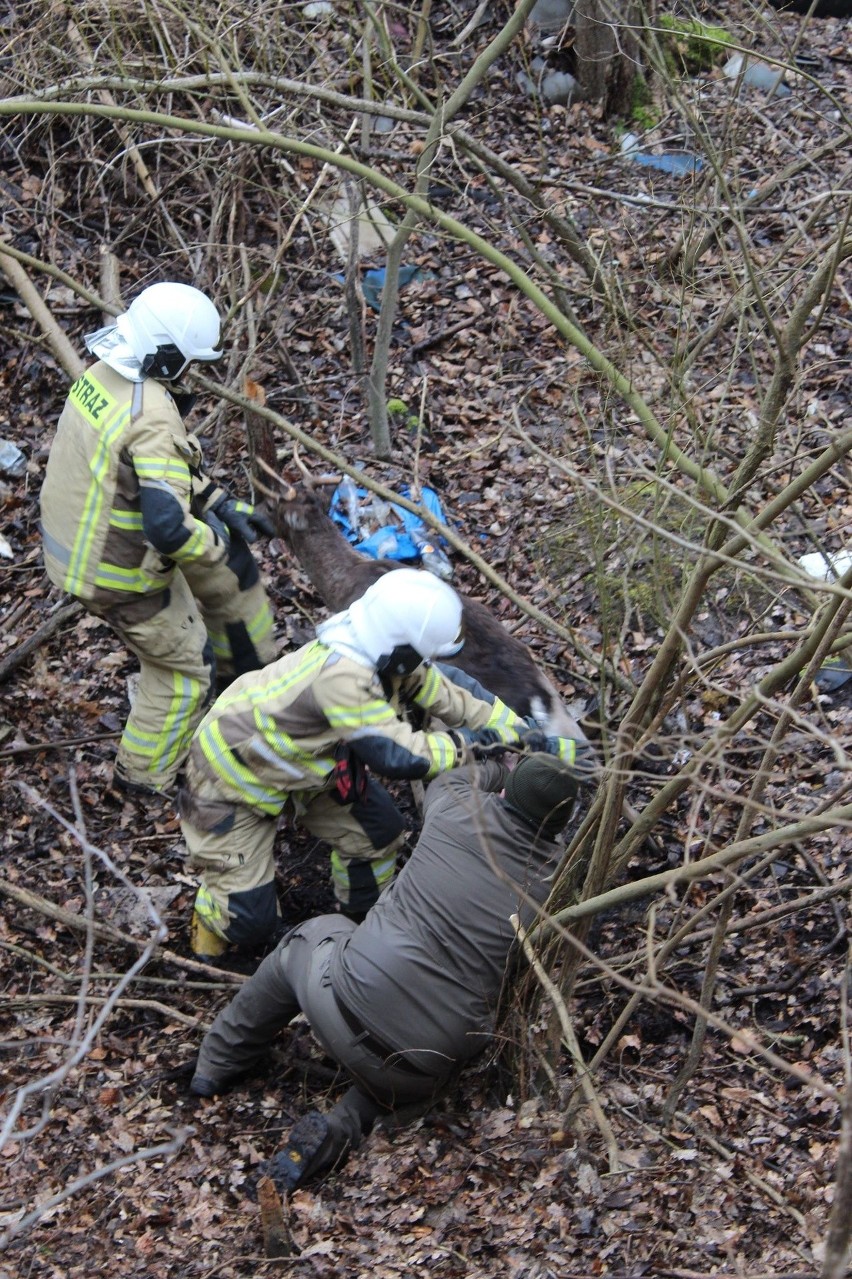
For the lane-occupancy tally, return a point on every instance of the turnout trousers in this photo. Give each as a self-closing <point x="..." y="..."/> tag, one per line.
<point x="232" y="847"/>
<point x="179" y="636"/>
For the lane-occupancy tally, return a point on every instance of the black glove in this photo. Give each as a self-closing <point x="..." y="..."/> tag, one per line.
<point x="535" y="741"/>
<point x="219" y="528"/>
<point x="482" y="741"/>
<point x="242" y="517"/>
<point x="578" y="755"/>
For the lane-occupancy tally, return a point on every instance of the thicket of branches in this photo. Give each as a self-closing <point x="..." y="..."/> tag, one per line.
<point x="672" y="362"/>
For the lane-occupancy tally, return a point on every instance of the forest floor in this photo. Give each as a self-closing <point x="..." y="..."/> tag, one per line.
<point x="495" y="1180"/>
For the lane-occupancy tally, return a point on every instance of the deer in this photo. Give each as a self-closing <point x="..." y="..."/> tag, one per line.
<point x="339" y="574"/>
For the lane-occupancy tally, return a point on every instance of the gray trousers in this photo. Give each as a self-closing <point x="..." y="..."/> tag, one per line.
<point x="295" y="978"/>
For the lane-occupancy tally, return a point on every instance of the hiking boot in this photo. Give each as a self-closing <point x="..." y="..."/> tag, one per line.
<point x="201" y="1087"/>
<point x="309" y="1149"/>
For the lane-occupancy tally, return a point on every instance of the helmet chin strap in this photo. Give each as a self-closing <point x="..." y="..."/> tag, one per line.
<point x="166" y="362"/>
<point x="402" y="660"/>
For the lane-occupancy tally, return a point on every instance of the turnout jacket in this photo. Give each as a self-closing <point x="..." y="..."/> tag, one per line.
<point x="423" y="972"/>
<point x="278" y="730"/>
<point x="121" y="479"/>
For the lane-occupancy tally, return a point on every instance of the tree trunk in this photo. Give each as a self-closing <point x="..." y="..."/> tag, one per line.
<point x="609" y="54"/>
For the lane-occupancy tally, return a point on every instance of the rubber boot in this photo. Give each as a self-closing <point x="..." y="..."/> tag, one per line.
<point x="205" y="944"/>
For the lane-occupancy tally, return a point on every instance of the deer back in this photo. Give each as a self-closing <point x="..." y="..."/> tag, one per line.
<point x="500" y="662"/>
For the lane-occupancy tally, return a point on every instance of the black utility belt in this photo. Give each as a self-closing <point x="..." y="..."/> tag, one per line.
<point x="375" y="1046"/>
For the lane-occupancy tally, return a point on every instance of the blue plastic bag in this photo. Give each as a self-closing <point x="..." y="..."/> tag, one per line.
<point x="392" y="540"/>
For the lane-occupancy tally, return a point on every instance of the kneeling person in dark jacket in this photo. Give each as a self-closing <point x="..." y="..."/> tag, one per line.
<point x="404" y="998"/>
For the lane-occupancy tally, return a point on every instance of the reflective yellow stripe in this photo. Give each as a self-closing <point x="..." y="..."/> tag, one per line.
<point x="283" y="745"/>
<point x="383" y="871"/>
<point x="171" y="469"/>
<point x="262" y="624"/>
<point x="567" y="749"/>
<point x="162" y="748"/>
<point x="505" y="721"/>
<point x="427" y="694"/>
<point x="131" y="520"/>
<point x="236" y="775"/>
<point x="211" y="914"/>
<point x="193" y="546"/>
<point x="110" y="431"/>
<point x="112" y="577"/>
<point x="369" y="713"/>
<point x="443" y="753"/>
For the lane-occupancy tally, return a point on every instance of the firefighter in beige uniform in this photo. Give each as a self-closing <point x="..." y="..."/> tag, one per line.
<point x="134" y="529"/>
<point x="305" y="729"/>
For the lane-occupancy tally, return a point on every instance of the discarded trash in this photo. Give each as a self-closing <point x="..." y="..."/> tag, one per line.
<point x="826" y="567"/>
<point x="348" y="493"/>
<point x="372" y="283"/>
<point x="403" y="535"/>
<point x="556" y="87"/>
<point x="678" y="163"/>
<point x="374" y="229"/>
<point x="318" y="9"/>
<point x="757" y="75"/>
<point x="551" y="15"/>
<point x="431" y="556"/>
<point x="833" y="674"/>
<point x="12" y="461"/>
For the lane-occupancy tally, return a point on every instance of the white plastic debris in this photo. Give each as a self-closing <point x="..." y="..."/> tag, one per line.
<point x="318" y="9"/>
<point x="826" y="567"/>
<point x="556" y="87"/>
<point x="12" y="461"/>
<point x="757" y="75"/>
<point x="551" y="15"/>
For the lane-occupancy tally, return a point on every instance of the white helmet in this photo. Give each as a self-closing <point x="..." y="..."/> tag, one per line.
<point x="406" y="617"/>
<point x="168" y="326"/>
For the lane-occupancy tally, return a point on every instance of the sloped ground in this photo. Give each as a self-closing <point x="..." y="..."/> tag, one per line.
<point x="488" y="1183"/>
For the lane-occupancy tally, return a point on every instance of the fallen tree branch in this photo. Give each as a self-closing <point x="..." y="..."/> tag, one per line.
<point x="27" y="647"/>
<point x="62" y="743"/>
<point x="32" y="300"/>
<point x="107" y="933"/>
<point x="153" y="1005"/>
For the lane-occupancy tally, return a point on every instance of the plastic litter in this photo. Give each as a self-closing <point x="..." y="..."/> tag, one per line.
<point x="757" y="75"/>
<point x="833" y="674"/>
<point x="826" y="567"/>
<point x="372" y="282"/>
<point x="555" y="87"/>
<point x="678" y="163"/>
<point x="431" y="556"/>
<point x="12" y="461"/>
<point x="349" y="494"/>
<point x="401" y="536"/>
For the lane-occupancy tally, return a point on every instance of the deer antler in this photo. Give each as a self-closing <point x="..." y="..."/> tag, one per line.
<point x="289" y="493"/>
<point x="312" y="482"/>
<point x="306" y="475"/>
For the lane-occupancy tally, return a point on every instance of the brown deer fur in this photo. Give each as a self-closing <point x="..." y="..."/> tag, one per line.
<point x="491" y="655"/>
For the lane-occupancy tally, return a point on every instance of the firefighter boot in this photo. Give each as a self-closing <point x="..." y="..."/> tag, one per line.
<point x="206" y="945"/>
